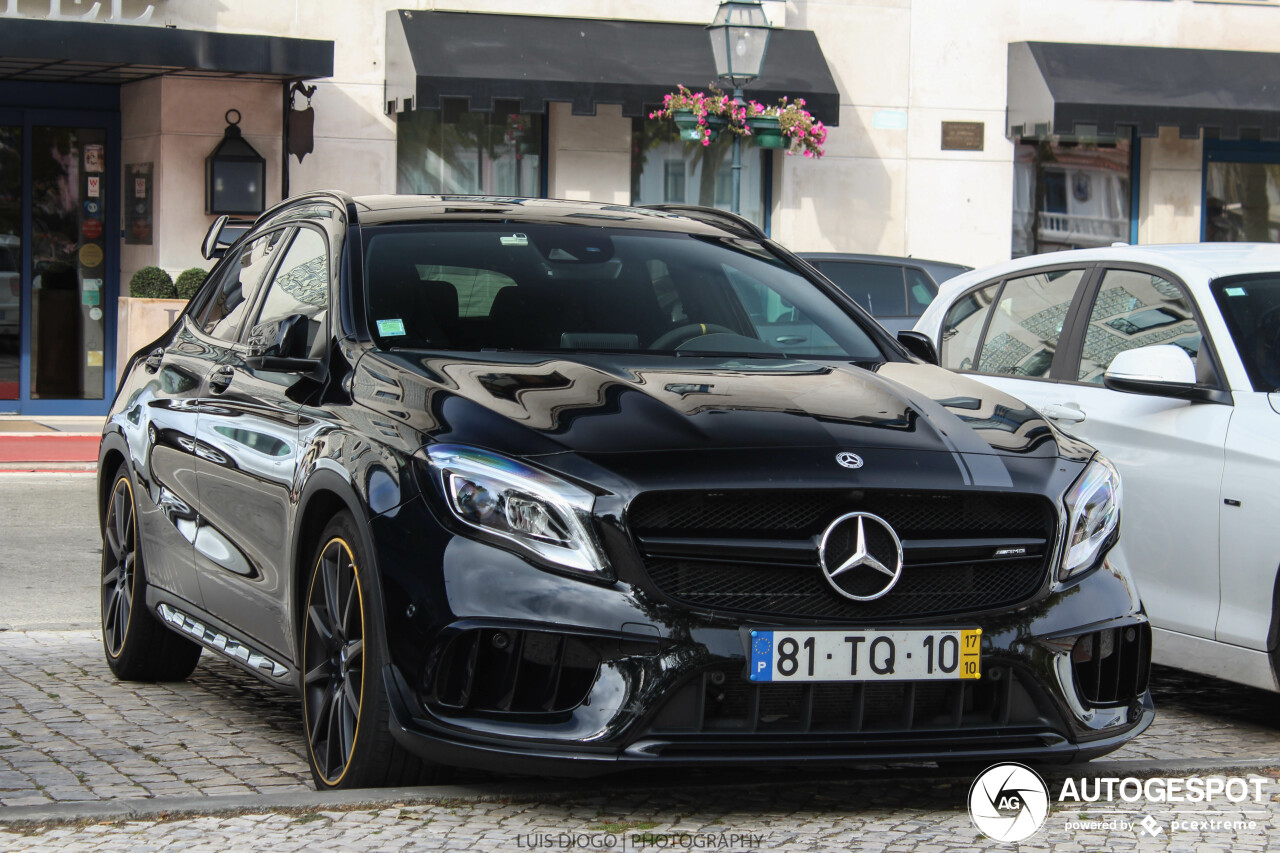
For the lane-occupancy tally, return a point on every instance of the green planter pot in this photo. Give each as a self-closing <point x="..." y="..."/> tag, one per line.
<point x="766" y="132"/>
<point x="691" y="131"/>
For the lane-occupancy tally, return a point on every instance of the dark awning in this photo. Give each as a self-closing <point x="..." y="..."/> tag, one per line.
<point x="1072" y="88"/>
<point x="535" y="60"/>
<point x="82" y="52"/>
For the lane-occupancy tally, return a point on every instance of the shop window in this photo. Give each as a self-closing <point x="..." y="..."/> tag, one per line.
<point x="452" y="150"/>
<point x="1241" y="192"/>
<point x="665" y="170"/>
<point x="1071" y="194"/>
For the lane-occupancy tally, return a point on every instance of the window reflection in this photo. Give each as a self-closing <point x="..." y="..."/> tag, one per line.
<point x="1070" y="195"/>
<point x="665" y="170"/>
<point x="451" y="150"/>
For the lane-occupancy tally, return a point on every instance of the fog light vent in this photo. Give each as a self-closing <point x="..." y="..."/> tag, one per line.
<point x="510" y="671"/>
<point x="1111" y="666"/>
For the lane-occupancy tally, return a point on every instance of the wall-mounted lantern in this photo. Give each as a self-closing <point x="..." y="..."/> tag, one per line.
<point x="235" y="175"/>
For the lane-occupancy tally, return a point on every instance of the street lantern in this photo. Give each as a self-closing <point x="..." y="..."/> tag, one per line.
<point x="739" y="38"/>
<point x="235" y="175"/>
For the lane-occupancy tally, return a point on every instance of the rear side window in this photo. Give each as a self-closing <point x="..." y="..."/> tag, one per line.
<point x="920" y="291"/>
<point x="879" y="288"/>
<point x="963" y="326"/>
<point x="1027" y="321"/>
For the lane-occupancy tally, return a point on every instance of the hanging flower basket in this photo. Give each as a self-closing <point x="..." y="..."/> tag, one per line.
<point x="766" y="132"/>
<point x="701" y="117"/>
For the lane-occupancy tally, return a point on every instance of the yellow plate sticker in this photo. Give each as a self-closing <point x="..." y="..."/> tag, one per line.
<point x="970" y="653"/>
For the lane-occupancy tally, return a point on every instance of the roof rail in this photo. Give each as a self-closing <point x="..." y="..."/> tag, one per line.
<point x="712" y="216"/>
<point x="344" y="200"/>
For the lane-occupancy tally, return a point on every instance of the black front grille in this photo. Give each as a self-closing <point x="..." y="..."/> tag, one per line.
<point x="791" y="591"/>
<point x="756" y="553"/>
<point x="722" y="701"/>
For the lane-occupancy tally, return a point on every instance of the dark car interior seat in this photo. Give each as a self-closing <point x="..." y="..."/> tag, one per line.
<point x="428" y="309"/>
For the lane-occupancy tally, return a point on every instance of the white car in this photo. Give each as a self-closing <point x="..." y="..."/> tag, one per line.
<point x="1167" y="359"/>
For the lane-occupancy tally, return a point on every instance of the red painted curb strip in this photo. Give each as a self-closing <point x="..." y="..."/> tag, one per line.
<point x="49" y="448"/>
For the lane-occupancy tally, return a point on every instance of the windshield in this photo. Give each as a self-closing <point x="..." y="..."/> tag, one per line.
<point x="1251" y="306"/>
<point x="566" y="288"/>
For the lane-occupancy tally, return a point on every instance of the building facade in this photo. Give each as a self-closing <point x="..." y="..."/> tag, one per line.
<point x="960" y="132"/>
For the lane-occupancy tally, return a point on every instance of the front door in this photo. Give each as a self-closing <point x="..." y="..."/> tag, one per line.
<point x="58" y="267"/>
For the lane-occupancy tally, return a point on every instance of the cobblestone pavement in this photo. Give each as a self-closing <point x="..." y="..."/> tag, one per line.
<point x="70" y="733"/>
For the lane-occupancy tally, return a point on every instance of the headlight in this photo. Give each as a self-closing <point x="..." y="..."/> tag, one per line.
<point x="1093" y="514"/>
<point x="545" y="517"/>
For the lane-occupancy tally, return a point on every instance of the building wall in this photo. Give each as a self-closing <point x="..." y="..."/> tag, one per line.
<point x="902" y="67"/>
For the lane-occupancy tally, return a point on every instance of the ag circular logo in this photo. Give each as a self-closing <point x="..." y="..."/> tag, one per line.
<point x="861" y="556"/>
<point x="849" y="460"/>
<point x="1008" y="802"/>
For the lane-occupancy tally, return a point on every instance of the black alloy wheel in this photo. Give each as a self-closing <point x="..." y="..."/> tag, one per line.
<point x="344" y="703"/>
<point x="119" y="564"/>
<point x="333" y="651"/>
<point x="137" y="646"/>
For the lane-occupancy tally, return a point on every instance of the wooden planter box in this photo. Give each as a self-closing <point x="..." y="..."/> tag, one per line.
<point x="141" y="321"/>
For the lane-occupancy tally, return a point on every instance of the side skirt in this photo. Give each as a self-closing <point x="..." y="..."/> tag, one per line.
<point x="247" y="657"/>
<point x="1209" y="657"/>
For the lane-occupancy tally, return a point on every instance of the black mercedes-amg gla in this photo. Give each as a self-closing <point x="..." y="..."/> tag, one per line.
<point x="566" y="488"/>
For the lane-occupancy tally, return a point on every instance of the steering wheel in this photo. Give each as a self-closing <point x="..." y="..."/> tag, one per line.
<point x="687" y="332"/>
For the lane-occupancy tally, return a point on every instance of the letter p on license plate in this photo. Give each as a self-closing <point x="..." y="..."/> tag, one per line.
<point x="861" y="655"/>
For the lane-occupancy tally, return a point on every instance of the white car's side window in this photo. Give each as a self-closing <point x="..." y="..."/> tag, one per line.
<point x="1027" y="321"/>
<point x="1136" y="309"/>
<point x="962" y="328"/>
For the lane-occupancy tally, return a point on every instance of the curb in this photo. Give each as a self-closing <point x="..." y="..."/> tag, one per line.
<point x="151" y="808"/>
<point x="42" y="450"/>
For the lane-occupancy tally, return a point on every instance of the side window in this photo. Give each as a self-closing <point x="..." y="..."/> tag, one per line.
<point x="1027" y="322"/>
<point x="1137" y="309"/>
<point x="920" y="291"/>
<point x="963" y="327"/>
<point x="301" y="285"/>
<point x="876" y="287"/>
<point x="224" y="313"/>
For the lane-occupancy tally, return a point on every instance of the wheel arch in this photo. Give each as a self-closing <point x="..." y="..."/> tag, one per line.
<point x="112" y="453"/>
<point x="325" y="495"/>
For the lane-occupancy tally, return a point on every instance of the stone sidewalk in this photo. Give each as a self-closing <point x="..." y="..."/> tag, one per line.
<point x="71" y="733"/>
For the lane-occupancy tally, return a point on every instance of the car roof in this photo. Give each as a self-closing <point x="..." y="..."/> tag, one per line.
<point x="1193" y="262"/>
<point x="879" y="259"/>
<point x="388" y="209"/>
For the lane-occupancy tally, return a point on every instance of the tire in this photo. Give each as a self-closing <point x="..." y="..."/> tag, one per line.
<point x="345" y="709"/>
<point x="137" y="646"/>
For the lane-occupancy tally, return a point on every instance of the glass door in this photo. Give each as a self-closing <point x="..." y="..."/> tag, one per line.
<point x="68" y="262"/>
<point x="59" y="268"/>
<point x="10" y="256"/>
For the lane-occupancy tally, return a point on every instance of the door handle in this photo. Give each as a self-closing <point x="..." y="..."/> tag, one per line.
<point x="791" y="339"/>
<point x="1065" y="412"/>
<point x="221" y="378"/>
<point x="152" y="364"/>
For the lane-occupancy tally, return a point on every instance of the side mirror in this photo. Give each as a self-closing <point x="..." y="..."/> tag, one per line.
<point x="1159" y="371"/>
<point x="919" y="344"/>
<point x="281" y="346"/>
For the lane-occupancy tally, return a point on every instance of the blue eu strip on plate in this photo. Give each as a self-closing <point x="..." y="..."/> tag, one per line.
<point x="761" y="656"/>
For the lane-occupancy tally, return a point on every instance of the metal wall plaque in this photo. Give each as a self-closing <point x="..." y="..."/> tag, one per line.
<point x="963" y="135"/>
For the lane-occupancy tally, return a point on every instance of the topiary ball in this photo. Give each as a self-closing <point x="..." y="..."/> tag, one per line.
<point x="152" y="283"/>
<point x="189" y="281"/>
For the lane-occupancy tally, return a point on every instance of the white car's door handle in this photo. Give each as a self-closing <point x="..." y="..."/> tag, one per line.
<point x="1068" y="412"/>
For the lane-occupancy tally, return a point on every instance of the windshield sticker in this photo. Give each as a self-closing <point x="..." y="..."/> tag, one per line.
<point x="390" y="328"/>
<point x="514" y="240"/>
<point x="1235" y="291"/>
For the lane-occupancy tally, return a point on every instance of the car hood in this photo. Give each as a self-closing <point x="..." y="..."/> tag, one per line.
<point x="530" y="404"/>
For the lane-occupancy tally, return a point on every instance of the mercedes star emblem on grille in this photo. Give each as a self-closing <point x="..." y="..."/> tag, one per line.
<point x="861" y="556"/>
<point x="849" y="460"/>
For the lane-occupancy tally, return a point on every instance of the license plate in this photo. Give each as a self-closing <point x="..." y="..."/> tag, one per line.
<point x="857" y="655"/>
